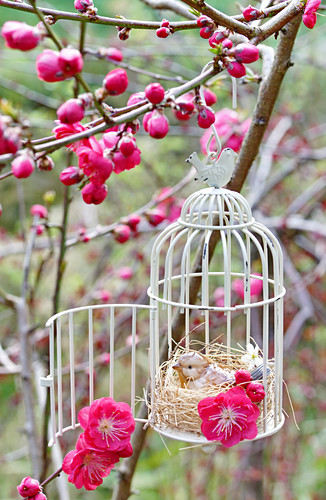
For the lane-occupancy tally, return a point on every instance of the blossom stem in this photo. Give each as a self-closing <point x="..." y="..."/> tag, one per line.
<point x="50" y="478"/>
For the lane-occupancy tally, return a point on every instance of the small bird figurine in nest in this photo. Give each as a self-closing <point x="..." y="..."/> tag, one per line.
<point x="219" y="172"/>
<point x="197" y="371"/>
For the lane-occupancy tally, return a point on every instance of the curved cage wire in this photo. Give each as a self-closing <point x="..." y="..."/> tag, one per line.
<point x="77" y="339"/>
<point x="246" y="252"/>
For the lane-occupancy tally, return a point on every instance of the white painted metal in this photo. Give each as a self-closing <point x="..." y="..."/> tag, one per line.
<point x="246" y="248"/>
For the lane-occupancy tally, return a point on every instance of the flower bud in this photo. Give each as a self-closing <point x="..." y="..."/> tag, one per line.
<point x="114" y="54"/>
<point x="125" y="273"/>
<point x="155" y="216"/>
<point x="236" y="69"/>
<point x="45" y="163"/>
<point x="127" y="145"/>
<point x="245" y="53"/>
<point x="251" y="13"/>
<point x="163" y="32"/>
<point x="136" y="98"/>
<point x="210" y="97"/>
<point x="206" y="32"/>
<point x="158" y="125"/>
<point x="40" y="229"/>
<point x="255" y="392"/>
<point x="242" y="377"/>
<point x="185" y="107"/>
<point x="165" y="23"/>
<point x="155" y="93"/>
<point x="20" y="36"/>
<point x="203" y="21"/>
<point x="227" y="44"/>
<point x="28" y="487"/>
<point x="116" y="81"/>
<point x="132" y="221"/>
<point x="205" y="117"/>
<point x="39" y="210"/>
<point x="216" y="38"/>
<point x="47" y="66"/>
<point x="71" y="111"/>
<point x="309" y="17"/>
<point x="121" y="233"/>
<point x="123" y="33"/>
<point x="83" y="5"/>
<point x="70" y="61"/>
<point x="94" y="194"/>
<point x="22" y="166"/>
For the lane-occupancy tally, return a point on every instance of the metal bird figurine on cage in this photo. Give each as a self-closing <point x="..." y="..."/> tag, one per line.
<point x="196" y="371"/>
<point x="219" y="172"/>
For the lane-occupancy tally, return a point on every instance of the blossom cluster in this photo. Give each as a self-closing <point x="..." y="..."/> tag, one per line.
<point x="107" y="426"/>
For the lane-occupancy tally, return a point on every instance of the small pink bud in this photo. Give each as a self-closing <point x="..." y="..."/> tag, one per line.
<point x="123" y="33"/>
<point x="94" y="194"/>
<point x="251" y="13"/>
<point x="83" y="5"/>
<point x="203" y="21"/>
<point x="28" y="487"/>
<point x="163" y="32"/>
<point x="255" y="391"/>
<point x="125" y="273"/>
<point x="210" y="97"/>
<point x="227" y="44"/>
<point x="45" y="163"/>
<point x="245" y="53"/>
<point x="48" y="68"/>
<point x="20" y="36"/>
<point x="71" y="175"/>
<point x="132" y="221"/>
<point x="146" y="118"/>
<point x="206" y="32"/>
<point x="127" y="145"/>
<point x="309" y="17"/>
<point x="216" y="38"/>
<point x="71" y="111"/>
<point x="22" y="166"/>
<point x="136" y="98"/>
<point x="70" y="61"/>
<point x="165" y="23"/>
<point x="158" y="125"/>
<point x="40" y="229"/>
<point x="39" y="210"/>
<point x="155" y="216"/>
<point x="186" y="107"/>
<point x="236" y="69"/>
<point x="114" y="54"/>
<point x="121" y="233"/>
<point x="155" y="93"/>
<point x="242" y="377"/>
<point x="205" y="117"/>
<point x="39" y="496"/>
<point x="116" y="81"/>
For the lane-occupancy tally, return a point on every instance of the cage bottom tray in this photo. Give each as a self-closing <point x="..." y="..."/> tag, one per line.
<point x="194" y="438"/>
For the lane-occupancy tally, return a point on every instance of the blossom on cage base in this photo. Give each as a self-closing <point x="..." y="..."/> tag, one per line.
<point x="86" y="466"/>
<point x="107" y="423"/>
<point x="229" y="418"/>
<point x="252" y="358"/>
<point x="255" y="392"/>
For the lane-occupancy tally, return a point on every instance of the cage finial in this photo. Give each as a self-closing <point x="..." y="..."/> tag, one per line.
<point x="219" y="172"/>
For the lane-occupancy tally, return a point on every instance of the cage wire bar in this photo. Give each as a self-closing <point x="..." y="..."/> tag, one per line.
<point x="54" y="380"/>
<point x="203" y="213"/>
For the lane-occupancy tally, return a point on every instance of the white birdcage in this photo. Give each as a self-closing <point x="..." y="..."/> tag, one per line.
<point x="246" y="251"/>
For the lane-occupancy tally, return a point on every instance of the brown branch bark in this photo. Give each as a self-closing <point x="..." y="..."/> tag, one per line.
<point x="268" y="94"/>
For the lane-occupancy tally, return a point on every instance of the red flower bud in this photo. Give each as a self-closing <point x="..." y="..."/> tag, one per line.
<point x="71" y="175"/>
<point x="242" y="377"/>
<point x="132" y="221"/>
<point x="155" y="93"/>
<point x="205" y="117"/>
<point x="251" y="13"/>
<point x="206" y="32"/>
<point x="255" y="391"/>
<point x="71" y="111"/>
<point x="186" y="107"/>
<point x="70" y="61"/>
<point x="127" y="145"/>
<point x="155" y="216"/>
<point x="83" y="5"/>
<point x="22" y="166"/>
<point x="245" y="53"/>
<point x="163" y="32"/>
<point x="39" y="210"/>
<point x="210" y="97"/>
<point x="48" y="68"/>
<point x="165" y="23"/>
<point x="309" y="17"/>
<point x="216" y="38"/>
<point x="116" y="81"/>
<point x="236" y="69"/>
<point x="203" y="21"/>
<point x="114" y="54"/>
<point x="94" y="194"/>
<point x="28" y="487"/>
<point x="20" y="36"/>
<point x="121" y="233"/>
<point x="158" y="125"/>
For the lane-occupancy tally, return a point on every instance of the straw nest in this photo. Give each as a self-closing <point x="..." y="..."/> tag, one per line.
<point x="176" y="407"/>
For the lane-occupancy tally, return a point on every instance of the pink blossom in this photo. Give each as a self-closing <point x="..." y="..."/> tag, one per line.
<point x="10" y="140"/>
<point x="94" y="194"/>
<point x="28" y="487"/>
<point x="116" y="81"/>
<point x="210" y="97"/>
<point x="127" y="145"/>
<point x="155" y="93"/>
<point x="114" y="54"/>
<point x="236" y="69"/>
<point x="186" y="107"/>
<point x="65" y="129"/>
<point x="20" y="36"/>
<point x="229" y="128"/>
<point x="122" y="162"/>
<point x="229" y="418"/>
<point x="245" y="53"/>
<point x="121" y="233"/>
<point x="71" y="175"/>
<point x="255" y="392"/>
<point x="82" y="5"/>
<point x="256" y="287"/>
<point x="108" y="424"/>
<point x="251" y="13"/>
<point x="22" y="166"/>
<point x="136" y="98"/>
<point x="71" y="111"/>
<point x="86" y="466"/>
<point x="242" y="377"/>
<point x="125" y="273"/>
<point x="219" y="296"/>
<point x="205" y="117"/>
<point x="158" y="125"/>
<point x="39" y="210"/>
<point x="70" y="61"/>
<point x="48" y="68"/>
<point x="94" y="165"/>
<point x="309" y="17"/>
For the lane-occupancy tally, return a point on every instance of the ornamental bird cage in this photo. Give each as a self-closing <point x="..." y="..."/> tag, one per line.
<point x="186" y="274"/>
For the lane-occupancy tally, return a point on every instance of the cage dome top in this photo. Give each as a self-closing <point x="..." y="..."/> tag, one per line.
<point x="216" y="208"/>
